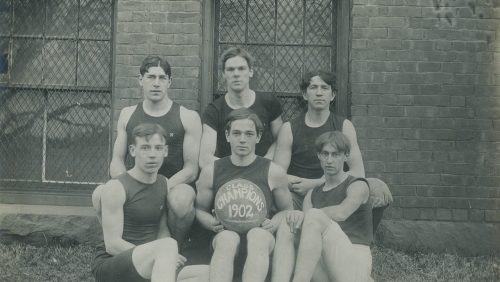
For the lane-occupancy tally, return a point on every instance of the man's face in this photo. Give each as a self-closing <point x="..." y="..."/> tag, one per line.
<point x="242" y="137"/>
<point x="149" y="153"/>
<point x="331" y="160"/>
<point x="318" y="94"/>
<point x="237" y="73"/>
<point x="155" y="84"/>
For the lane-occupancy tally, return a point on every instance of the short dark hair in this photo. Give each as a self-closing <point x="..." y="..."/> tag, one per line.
<point x="244" y="113"/>
<point x="326" y="76"/>
<point x="155" y="61"/>
<point x="335" y="138"/>
<point x="147" y="130"/>
<point x="232" y="52"/>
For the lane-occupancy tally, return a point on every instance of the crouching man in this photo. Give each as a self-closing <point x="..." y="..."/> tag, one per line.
<point x="137" y="243"/>
<point x="335" y="227"/>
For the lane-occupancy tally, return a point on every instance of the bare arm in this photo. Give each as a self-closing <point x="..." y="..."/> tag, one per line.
<point x="117" y="165"/>
<point x="191" y="148"/>
<point x="307" y="204"/>
<point x="355" y="160"/>
<point x="357" y="194"/>
<point x="208" y="145"/>
<point x="112" y="200"/>
<point x="281" y="195"/>
<point x="163" y="231"/>
<point x="283" y="152"/>
<point x="204" y="200"/>
<point x="275" y="128"/>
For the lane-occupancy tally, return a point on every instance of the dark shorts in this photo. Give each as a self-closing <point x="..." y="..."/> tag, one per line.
<point x="119" y="268"/>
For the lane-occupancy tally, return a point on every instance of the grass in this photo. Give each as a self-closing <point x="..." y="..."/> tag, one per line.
<point x="23" y="262"/>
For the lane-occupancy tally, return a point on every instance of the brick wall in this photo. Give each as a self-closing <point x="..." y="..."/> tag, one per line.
<point x="166" y="28"/>
<point x="425" y="79"/>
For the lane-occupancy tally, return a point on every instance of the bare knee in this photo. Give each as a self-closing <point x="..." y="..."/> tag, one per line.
<point x="166" y="246"/>
<point x="259" y="239"/>
<point x="227" y="242"/>
<point x="96" y="198"/>
<point x="181" y="200"/>
<point x="315" y="218"/>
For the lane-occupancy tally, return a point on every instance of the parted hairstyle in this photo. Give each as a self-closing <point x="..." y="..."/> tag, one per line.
<point x="326" y="76"/>
<point x="147" y="130"/>
<point x="236" y="52"/>
<point x="244" y="113"/>
<point x="335" y="138"/>
<point x="155" y="61"/>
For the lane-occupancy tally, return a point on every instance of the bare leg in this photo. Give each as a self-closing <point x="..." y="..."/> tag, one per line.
<point x="225" y="244"/>
<point x="96" y="201"/>
<point x="260" y="246"/>
<point x="194" y="273"/>
<point x="284" y="254"/>
<point x="156" y="260"/>
<point x="311" y="244"/>
<point x="180" y="210"/>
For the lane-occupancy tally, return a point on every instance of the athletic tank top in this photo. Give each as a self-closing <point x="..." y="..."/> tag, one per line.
<point x="304" y="160"/>
<point x="172" y="124"/>
<point x="257" y="172"/>
<point x="358" y="227"/>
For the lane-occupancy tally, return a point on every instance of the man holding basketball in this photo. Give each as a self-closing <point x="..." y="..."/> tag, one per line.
<point x="242" y="170"/>
<point x="183" y="128"/>
<point x="131" y="207"/>
<point x="335" y="225"/>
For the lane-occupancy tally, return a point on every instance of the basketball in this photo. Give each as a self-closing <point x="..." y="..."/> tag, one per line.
<point x="240" y="205"/>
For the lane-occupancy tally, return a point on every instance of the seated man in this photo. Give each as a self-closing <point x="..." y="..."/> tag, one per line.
<point x="131" y="208"/>
<point x="335" y="225"/>
<point x="295" y="151"/>
<point x="243" y="131"/>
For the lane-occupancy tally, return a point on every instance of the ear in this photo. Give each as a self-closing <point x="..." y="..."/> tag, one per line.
<point x="169" y="82"/>
<point x="140" y="79"/>
<point x="333" y="95"/>
<point x="258" y="137"/>
<point x="227" y="135"/>
<point x="131" y="149"/>
<point x="304" y="95"/>
<point x="166" y="151"/>
<point x="251" y="72"/>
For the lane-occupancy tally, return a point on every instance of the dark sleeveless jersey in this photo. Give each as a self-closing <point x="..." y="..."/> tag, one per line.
<point x="257" y="172"/>
<point x="172" y="124"/>
<point x="304" y="160"/>
<point x="358" y="227"/>
<point x="266" y="106"/>
<point x="142" y="210"/>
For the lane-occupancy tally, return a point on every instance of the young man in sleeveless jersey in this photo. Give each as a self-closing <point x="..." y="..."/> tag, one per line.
<point x="335" y="225"/>
<point x="237" y="70"/>
<point x="183" y="128"/>
<point x="295" y="146"/>
<point x="243" y="132"/>
<point x="131" y="208"/>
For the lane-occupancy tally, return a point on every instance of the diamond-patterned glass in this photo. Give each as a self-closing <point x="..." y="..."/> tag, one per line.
<point x="286" y="38"/>
<point x="21" y="133"/>
<point x="93" y="64"/>
<point x="261" y="21"/>
<point x="95" y="19"/>
<point x="61" y="19"/>
<point x="29" y="17"/>
<point x="55" y="91"/>
<point x="59" y="62"/>
<point x="5" y="17"/>
<point x="232" y="21"/>
<point x="77" y="130"/>
<point x="318" y="22"/>
<point x="290" y="21"/>
<point x="27" y="61"/>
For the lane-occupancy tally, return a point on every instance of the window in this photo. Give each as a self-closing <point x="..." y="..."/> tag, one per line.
<point x="55" y="92"/>
<point x="287" y="39"/>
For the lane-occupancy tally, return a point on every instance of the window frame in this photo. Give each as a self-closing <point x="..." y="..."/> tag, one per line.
<point x="54" y="192"/>
<point x="343" y="43"/>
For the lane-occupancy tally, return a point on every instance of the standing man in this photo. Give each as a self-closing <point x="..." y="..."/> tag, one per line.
<point x="131" y="207"/>
<point x="336" y="224"/>
<point x="183" y="128"/>
<point x="243" y="132"/>
<point x="237" y="69"/>
<point x="295" y="146"/>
